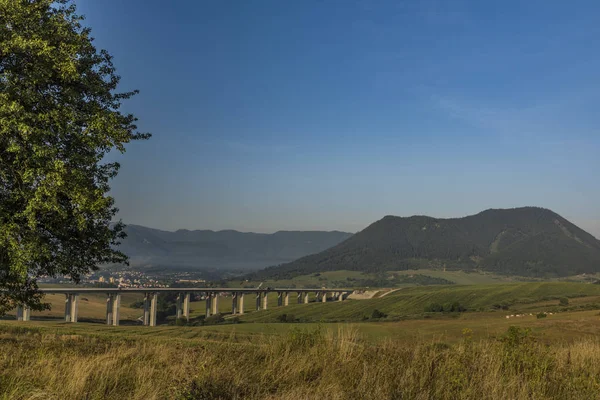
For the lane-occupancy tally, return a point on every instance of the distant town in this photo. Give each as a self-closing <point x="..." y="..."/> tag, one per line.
<point x="131" y="279"/>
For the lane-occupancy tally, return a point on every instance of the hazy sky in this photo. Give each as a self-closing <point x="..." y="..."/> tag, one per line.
<point x="272" y="115"/>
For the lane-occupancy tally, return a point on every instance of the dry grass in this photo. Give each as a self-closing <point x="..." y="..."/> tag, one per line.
<point x="303" y="364"/>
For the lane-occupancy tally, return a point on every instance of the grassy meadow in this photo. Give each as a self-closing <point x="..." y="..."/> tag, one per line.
<point x="301" y="363"/>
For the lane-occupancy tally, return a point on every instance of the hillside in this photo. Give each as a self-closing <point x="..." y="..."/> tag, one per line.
<point x="228" y="249"/>
<point x="526" y="241"/>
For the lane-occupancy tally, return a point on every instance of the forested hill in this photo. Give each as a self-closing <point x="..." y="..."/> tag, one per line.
<point x="228" y="249"/>
<point x="526" y="241"/>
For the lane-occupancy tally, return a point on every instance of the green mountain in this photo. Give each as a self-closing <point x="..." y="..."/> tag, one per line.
<point x="205" y="249"/>
<point x="526" y="241"/>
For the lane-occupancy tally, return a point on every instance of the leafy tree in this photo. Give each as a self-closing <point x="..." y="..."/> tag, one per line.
<point x="59" y="116"/>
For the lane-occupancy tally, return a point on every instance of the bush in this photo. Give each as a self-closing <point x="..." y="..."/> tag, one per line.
<point x="541" y="315"/>
<point x="286" y="318"/>
<point x="447" y="307"/>
<point x="563" y="301"/>
<point x="378" y="314"/>
<point x="434" y="307"/>
<point x="214" y="319"/>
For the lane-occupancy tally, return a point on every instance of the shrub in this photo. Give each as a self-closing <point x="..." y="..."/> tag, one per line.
<point x="541" y="315"/>
<point x="447" y="307"/>
<point x="563" y="301"/>
<point x="434" y="307"/>
<point x="286" y="318"/>
<point x="214" y="319"/>
<point x="378" y="314"/>
<point x="281" y="318"/>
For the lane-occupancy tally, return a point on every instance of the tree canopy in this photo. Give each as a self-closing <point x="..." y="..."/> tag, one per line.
<point x="59" y="117"/>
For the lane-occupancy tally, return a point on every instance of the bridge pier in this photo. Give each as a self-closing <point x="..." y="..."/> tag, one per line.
<point x="265" y="301"/>
<point x="74" y="307"/>
<point x="215" y="303"/>
<point x="306" y="297"/>
<point x="68" y="307"/>
<point x="179" y="306"/>
<point x="299" y="298"/>
<point x="186" y="306"/>
<point x="71" y="307"/>
<point x="286" y="299"/>
<point x="113" y="302"/>
<point x="208" y="300"/>
<point x="234" y="306"/>
<point x="279" y="299"/>
<point x="324" y="297"/>
<point x="109" y="309"/>
<point x="19" y="313"/>
<point x="153" y="309"/>
<point x="258" y="301"/>
<point x="241" y="303"/>
<point x="115" y="309"/>
<point x="146" y="318"/>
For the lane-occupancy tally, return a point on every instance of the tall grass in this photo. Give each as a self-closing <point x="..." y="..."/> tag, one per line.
<point x="303" y="364"/>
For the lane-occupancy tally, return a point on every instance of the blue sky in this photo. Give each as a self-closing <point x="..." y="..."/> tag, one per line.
<point x="273" y="115"/>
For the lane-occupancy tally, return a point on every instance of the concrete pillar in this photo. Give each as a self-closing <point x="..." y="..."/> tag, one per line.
<point x="147" y="309"/>
<point x="299" y="298"/>
<point x="109" y="308"/>
<point x="115" y="311"/>
<point x="153" y="308"/>
<point x="241" y="303"/>
<point x="286" y="299"/>
<point x="208" y="300"/>
<point x="26" y="313"/>
<point x="279" y="299"/>
<point x="265" y="301"/>
<point x="179" y="306"/>
<point x="74" y="306"/>
<point x="258" y="301"/>
<point x="306" y="297"/>
<point x="324" y="297"/>
<point x="234" y="298"/>
<point x="215" y="303"/>
<point x="186" y="306"/>
<point x="19" y="313"/>
<point x="341" y="296"/>
<point x="68" y="300"/>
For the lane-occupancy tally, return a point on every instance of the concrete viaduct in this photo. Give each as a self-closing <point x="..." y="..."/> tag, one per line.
<point x="211" y="295"/>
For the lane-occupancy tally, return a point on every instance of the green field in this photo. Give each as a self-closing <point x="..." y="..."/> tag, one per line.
<point x="349" y="279"/>
<point x="411" y="302"/>
<point x="408" y="354"/>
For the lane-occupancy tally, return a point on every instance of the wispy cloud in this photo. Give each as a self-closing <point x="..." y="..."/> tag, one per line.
<point x="554" y="119"/>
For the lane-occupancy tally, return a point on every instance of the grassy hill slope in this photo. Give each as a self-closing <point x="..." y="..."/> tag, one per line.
<point x="411" y="302"/>
<point x="527" y="241"/>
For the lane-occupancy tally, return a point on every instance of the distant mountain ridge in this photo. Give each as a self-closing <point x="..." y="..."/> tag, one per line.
<point x="527" y="241"/>
<point x="227" y="249"/>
